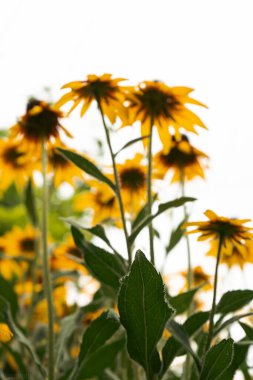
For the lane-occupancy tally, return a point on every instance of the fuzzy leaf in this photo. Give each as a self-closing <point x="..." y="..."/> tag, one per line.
<point x="182" y="301"/>
<point x="30" y="203"/>
<point x="217" y="360"/>
<point x="87" y="166"/>
<point x="234" y="300"/>
<point x="144" y="313"/>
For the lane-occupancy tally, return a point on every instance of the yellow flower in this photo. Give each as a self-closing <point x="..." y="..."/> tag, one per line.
<point x="9" y="268"/>
<point x="41" y="121"/>
<point x="101" y="200"/>
<point x="232" y="231"/>
<point x="240" y="257"/>
<point x="61" y="168"/>
<point x="20" y="242"/>
<point x="103" y="89"/>
<point x="61" y="258"/>
<point x="199" y="277"/>
<point x="163" y="106"/>
<point x="16" y="166"/>
<point x="133" y="182"/>
<point x="5" y="333"/>
<point x="183" y="159"/>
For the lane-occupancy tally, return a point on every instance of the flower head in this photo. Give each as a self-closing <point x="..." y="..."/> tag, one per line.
<point x="153" y="102"/>
<point x="16" y="165"/>
<point x="20" y="241"/>
<point x="103" y="89"/>
<point x="232" y="231"/>
<point x="101" y="200"/>
<point x="40" y="122"/>
<point x="133" y="182"/>
<point x="183" y="159"/>
<point x="199" y="277"/>
<point x="5" y="333"/>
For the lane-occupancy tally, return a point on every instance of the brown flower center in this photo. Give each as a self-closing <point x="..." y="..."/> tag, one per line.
<point x="74" y="251"/>
<point x="11" y="156"/>
<point x="179" y="158"/>
<point x="27" y="245"/>
<point x="132" y="179"/>
<point x="57" y="160"/>
<point x="98" y="90"/>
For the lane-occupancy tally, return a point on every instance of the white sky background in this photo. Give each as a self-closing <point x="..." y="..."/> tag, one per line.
<point x="204" y="44"/>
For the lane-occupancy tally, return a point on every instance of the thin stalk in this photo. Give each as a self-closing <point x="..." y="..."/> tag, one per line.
<point x="211" y="319"/>
<point x="45" y="266"/>
<point x="117" y="183"/>
<point x="34" y="277"/>
<point x="149" y="189"/>
<point x="189" y="265"/>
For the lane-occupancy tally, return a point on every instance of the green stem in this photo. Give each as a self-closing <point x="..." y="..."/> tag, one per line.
<point x="117" y="183"/>
<point x="189" y="265"/>
<point x="149" y="189"/>
<point x="211" y="319"/>
<point x="46" y="268"/>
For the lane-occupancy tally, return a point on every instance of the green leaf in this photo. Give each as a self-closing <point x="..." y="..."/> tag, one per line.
<point x="87" y="166"/>
<point x="247" y="329"/>
<point x="234" y="300"/>
<point x="229" y="321"/>
<point x="97" y="231"/>
<point x="144" y="313"/>
<point x="217" y="360"/>
<point x="30" y="203"/>
<point x="175" y="237"/>
<point x="143" y="213"/>
<point x="161" y="208"/>
<point x="131" y="142"/>
<point x="104" y="266"/>
<point x="182" y="301"/>
<point x="18" y="334"/>
<point x="102" y="358"/>
<point x="97" y="334"/>
<point x="179" y="333"/>
<point x="9" y="295"/>
<point x="23" y="374"/>
<point x="172" y="347"/>
<point x="240" y="354"/>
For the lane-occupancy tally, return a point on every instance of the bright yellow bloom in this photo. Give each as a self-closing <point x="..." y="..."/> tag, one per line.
<point x="199" y="277"/>
<point x="185" y="161"/>
<point x="62" y="169"/>
<point x="9" y="268"/>
<point x="101" y="200"/>
<point x="163" y="106"/>
<point x="232" y="231"/>
<point x="20" y="241"/>
<point x="240" y="257"/>
<point x="103" y="89"/>
<point x="5" y="333"/>
<point x="41" y="121"/>
<point x="16" y="166"/>
<point x="61" y="258"/>
<point x="133" y="182"/>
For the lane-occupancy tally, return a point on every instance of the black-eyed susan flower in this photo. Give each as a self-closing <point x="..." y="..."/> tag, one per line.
<point x="101" y="200"/>
<point x="133" y="182"/>
<point x="153" y="102"/>
<point x="238" y="257"/>
<point x="232" y="231"/>
<point x="199" y="277"/>
<point x="62" y="170"/>
<point x="103" y="89"/>
<point x="40" y="122"/>
<point x="9" y="268"/>
<point x="16" y="165"/>
<point x="183" y="159"/>
<point x="5" y="333"/>
<point x="20" y="241"/>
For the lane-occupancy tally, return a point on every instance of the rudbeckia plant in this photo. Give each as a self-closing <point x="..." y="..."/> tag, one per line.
<point x="85" y="288"/>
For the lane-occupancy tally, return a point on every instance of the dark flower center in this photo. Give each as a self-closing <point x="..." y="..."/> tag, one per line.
<point x="11" y="156"/>
<point x="40" y="125"/>
<point x="74" y="251"/>
<point x="179" y="158"/>
<point x="105" y="203"/>
<point x="156" y="103"/>
<point x="98" y="90"/>
<point x="27" y="244"/>
<point x="58" y="160"/>
<point x="132" y="179"/>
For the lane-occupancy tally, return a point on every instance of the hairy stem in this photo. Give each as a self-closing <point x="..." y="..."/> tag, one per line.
<point x="46" y="268"/>
<point x="149" y="189"/>
<point x="117" y="184"/>
<point x="212" y="313"/>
